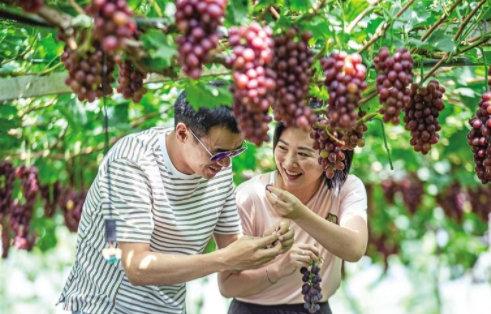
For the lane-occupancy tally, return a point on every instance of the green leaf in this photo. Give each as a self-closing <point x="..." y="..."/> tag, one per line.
<point x="160" y="47"/>
<point x="418" y="15"/>
<point x="7" y="111"/>
<point x="200" y="94"/>
<point x="442" y="41"/>
<point x="299" y="5"/>
<point x="319" y="27"/>
<point x="6" y="125"/>
<point x="353" y="8"/>
<point x="238" y="11"/>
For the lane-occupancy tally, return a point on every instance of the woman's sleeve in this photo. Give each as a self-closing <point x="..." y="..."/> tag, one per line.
<point x="246" y="209"/>
<point x="353" y="200"/>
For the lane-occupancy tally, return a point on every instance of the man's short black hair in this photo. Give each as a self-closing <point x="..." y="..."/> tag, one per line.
<point x="201" y="121"/>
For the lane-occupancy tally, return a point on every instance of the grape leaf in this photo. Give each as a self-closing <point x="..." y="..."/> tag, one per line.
<point x="160" y="47"/>
<point x="238" y="11"/>
<point x="442" y="41"/>
<point x="200" y="94"/>
<point x="299" y="5"/>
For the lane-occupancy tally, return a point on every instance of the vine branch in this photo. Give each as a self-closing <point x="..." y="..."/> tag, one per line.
<point x="386" y="27"/>
<point x="467" y="19"/>
<point x="76" y="7"/>
<point x="455" y="38"/>
<point x="442" y="18"/>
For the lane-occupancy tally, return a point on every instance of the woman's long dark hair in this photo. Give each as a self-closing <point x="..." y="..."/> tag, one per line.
<point x="339" y="178"/>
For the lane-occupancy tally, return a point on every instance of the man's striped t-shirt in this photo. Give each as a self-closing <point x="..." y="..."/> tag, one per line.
<point x="152" y="202"/>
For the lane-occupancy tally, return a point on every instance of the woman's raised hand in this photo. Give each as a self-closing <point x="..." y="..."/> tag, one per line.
<point x="284" y="203"/>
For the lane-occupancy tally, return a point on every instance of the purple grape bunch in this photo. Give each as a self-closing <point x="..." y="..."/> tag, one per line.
<point x="311" y="288"/>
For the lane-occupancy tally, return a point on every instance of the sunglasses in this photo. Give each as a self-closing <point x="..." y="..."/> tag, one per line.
<point x="221" y="155"/>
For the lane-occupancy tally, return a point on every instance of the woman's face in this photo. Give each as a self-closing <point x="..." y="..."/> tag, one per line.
<point x="296" y="160"/>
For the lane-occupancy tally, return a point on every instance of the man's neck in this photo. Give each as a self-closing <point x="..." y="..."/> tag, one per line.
<point x="176" y="155"/>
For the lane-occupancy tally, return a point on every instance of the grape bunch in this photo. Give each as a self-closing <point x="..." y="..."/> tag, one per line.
<point x="50" y="194"/>
<point x="395" y="75"/>
<point x="85" y="72"/>
<point x="480" y="199"/>
<point x="389" y="188"/>
<point x="354" y="137"/>
<point x="5" y="239"/>
<point x="7" y="171"/>
<point x="21" y="214"/>
<point x="292" y="63"/>
<point x="113" y="22"/>
<point x="331" y="155"/>
<point x="130" y="80"/>
<point x="382" y="246"/>
<point x="311" y="288"/>
<point x="421" y="115"/>
<point x="345" y="81"/>
<point x="71" y="203"/>
<point x="30" y="5"/>
<point x="253" y="80"/>
<point x="479" y="138"/>
<point x="412" y="191"/>
<point x="452" y="201"/>
<point x="254" y="125"/>
<point x="198" y="21"/>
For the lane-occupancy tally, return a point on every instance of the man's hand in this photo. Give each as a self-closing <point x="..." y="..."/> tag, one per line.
<point x="249" y="252"/>
<point x="285" y="232"/>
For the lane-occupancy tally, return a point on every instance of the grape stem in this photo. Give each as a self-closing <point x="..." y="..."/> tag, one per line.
<point x="326" y="128"/>
<point x="24" y="19"/>
<point x="320" y="54"/>
<point x="318" y="111"/>
<point x="54" y="17"/>
<point x="265" y="11"/>
<point x="367" y="118"/>
<point x="385" y="28"/>
<point x="76" y="7"/>
<point x="368" y="98"/>
<point x="156" y="7"/>
<point x="274" y="13"/>
<point x="385" y="144"/>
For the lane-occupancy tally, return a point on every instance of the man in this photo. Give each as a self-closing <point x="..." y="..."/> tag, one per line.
<point x="169" y="191"/>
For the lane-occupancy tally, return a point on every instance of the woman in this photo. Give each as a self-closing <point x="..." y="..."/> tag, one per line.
<point x="329" y="217"/>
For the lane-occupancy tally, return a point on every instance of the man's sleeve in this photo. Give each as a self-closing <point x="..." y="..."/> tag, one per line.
<point x="353" y="200"/>
<point x="229" y="221"/>
<point x="126" y="196"/>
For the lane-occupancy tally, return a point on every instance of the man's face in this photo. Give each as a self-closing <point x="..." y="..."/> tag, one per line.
<point x="217" y="140"/>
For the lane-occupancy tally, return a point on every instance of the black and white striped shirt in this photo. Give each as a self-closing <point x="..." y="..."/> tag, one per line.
<point x="154" y="203"/>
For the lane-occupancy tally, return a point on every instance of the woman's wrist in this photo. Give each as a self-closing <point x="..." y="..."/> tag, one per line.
<point x="274" y="272"/>
<point x="304" y="216"/>
<point x="301" y="212"/>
